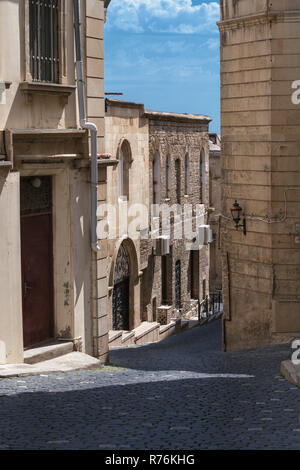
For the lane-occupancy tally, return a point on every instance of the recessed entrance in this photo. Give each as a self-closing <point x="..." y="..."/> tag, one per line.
<point x="37" y="260"/>
<point x="120" y="299"/>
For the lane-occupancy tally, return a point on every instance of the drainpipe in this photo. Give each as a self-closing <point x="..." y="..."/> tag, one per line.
<point x="92" y="128"/>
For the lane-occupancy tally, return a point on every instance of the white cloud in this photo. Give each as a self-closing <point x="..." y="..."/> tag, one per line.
<point x="213" y="43"/>
<point x="165" y="16"/>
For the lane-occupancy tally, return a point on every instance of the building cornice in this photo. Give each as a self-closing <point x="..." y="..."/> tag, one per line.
<point x="242" y="21"/>
<point x="159" y="115"/>
<point x="124" y="104"/>
<point x="292" y="16"/>
<point x="178" y="117"/>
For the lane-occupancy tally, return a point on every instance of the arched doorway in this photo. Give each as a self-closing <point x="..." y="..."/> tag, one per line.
<point x="120" y="299"/>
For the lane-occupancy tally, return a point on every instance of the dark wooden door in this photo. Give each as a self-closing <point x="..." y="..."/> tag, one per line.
<point x="37" y="278"/>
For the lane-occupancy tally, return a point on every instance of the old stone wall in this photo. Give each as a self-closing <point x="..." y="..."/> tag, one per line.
<point x="260" y="152"/>
<point x="215" y="185"/>
<point x="176" y="137"/>
<point x="126" y="130"/>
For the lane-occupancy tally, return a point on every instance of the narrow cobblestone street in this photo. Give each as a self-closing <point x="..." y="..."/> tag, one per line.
<point x="183" y="393"/>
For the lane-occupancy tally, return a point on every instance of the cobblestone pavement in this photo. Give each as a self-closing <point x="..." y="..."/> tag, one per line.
<point x="182" y="393"/>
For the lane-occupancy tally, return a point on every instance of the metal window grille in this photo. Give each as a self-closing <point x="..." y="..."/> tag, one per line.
<point x="44" y="44"/>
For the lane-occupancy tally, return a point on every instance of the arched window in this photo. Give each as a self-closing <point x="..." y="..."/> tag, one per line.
<point x="187" y="174"/>
<point x="178" y="180"/>
<point x="124" y="166"/>
<point x="168" y="177"/>
<point x="202" y="176"/>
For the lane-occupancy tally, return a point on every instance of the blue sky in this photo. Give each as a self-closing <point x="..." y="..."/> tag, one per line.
<point x="165" y="53"/>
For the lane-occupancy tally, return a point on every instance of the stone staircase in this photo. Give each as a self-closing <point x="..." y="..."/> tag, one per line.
<point x="151" y="332"/>
<point x="47" y="352"/>
<point x="146" y="332"/>
<point x="56" y="357"/>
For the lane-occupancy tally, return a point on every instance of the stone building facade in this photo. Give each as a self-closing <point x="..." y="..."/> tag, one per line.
<point x="162" y="158"/>
<point x="173" y="283"/>
<point x="127" y="141"/>
<point x="215" y="203"/>
<point x="48" y="271"/>
<point x="260" y="41"/>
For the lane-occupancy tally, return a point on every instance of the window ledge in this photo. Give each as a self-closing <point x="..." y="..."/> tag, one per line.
<point x="41" y="88"/>
<point x="5" y="164"/>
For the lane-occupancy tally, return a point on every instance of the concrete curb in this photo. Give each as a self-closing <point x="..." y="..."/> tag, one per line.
<point x="71" y="362"/>
<point x="291" y="372"/>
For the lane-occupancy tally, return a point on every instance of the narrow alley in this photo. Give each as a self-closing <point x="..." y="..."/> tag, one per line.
<point x="182" y="393"/>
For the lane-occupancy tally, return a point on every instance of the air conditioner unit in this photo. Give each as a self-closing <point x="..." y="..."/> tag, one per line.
<point x="205" y="235"/>
<point x="162" y="246"/>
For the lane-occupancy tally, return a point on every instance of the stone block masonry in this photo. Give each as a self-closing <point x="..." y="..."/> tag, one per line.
<point x="260" y="152"/>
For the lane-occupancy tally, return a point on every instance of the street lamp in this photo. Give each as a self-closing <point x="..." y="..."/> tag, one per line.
<point x="236" y="212"/>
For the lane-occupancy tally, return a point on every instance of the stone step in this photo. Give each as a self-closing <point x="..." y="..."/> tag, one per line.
<point x="71" y="362"/>
<point x="147" y="332"/>
<point x="47" y="352"/>
<point x="115" y="338"/>
<point x="128" y="338"/>
<point x="193" y="322"/>
<point x="184" y="324"/>
<point x="167" y="330"/>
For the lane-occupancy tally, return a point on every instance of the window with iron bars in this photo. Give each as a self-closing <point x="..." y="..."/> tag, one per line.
<point x="44" y="40"/>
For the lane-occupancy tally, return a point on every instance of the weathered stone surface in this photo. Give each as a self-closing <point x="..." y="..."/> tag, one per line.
<point x="67" y="363"/>
<point x="260" y="168"/>
<point x="291" y="372"/>
<point x="182" y="393"/>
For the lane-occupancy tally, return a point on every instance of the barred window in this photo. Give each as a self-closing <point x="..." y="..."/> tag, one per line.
<point x="187" y="174"/>
<point x="178" y="180"/>
<point x="202" y="176"/>
<point x="168" y="177"/>
<point x="44" y="43"/>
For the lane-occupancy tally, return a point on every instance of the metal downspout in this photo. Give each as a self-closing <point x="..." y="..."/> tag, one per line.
<point x="92" y="128"/>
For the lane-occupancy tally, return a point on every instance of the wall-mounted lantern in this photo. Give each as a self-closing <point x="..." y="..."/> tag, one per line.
<point x="236" y="212"/>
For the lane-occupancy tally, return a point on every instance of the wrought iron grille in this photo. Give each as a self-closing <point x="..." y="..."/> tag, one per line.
<point x="36" y="199"/>
<point x="120" y="298"/>
<point x="44" y="43"/>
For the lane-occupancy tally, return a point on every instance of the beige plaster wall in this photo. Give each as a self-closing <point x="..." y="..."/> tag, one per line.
<point x="11" y="333"/>
<point x="75" y="266"/>
<point x="127" y="123"/>
<point x="44" y="111"/>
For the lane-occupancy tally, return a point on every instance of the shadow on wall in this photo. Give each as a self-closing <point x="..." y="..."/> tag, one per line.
<point x="46" y="114"/>
<point x="3" y="177"/>
<point x="50" y="110"/>
<point x="146" y="290"/>
<point x="2" y="352"/>
<point x="2" y="343"/>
